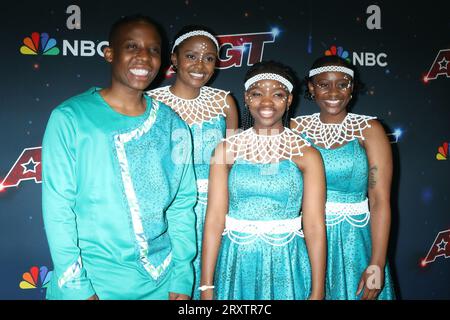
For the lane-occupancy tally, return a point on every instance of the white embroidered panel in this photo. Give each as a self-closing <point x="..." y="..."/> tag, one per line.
<point x="329" y="134"/>
<point x="72" y="273"/>
<point x="135" y="212"/>
<point x="208" y="106"/>
<point x="258" y="148"/>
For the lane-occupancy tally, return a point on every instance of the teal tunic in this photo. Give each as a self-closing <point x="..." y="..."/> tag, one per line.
<point x="118" y="195"/>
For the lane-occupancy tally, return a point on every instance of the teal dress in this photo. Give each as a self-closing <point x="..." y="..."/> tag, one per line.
<point x="263" y="255"/>
<point x="208" y="126"/>
<point x="347" y="215"/>
<point x="118" y="194"/>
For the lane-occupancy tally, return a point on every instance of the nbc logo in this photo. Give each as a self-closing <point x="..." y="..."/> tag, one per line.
<point x="339" y="51"/>
<point x="38" y="41"/>
<point x="442" y="152"/>
<point x="367" y="59"/>
<point x="31" y="278"/>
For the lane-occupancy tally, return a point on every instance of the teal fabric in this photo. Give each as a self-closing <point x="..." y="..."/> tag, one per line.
<point x="206" y="137"/>
<point x="88" y="214"/>
<point x="261" y="270"/>
<point x="349" y="245"/>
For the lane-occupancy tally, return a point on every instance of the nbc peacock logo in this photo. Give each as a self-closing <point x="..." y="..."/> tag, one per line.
<point x="338" y="51"/>
<point x="442" y="152"/>
<point x="36" y="277"/>
<point x="39" y="43"/>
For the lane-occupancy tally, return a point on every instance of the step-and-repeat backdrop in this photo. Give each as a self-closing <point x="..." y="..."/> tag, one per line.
<point x="52" y="50"/>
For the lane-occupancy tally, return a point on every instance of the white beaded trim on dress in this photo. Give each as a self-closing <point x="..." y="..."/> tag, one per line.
<point x="209" y="105"/>
<point x="258" y="148"/>
<point x="328" y="134"/>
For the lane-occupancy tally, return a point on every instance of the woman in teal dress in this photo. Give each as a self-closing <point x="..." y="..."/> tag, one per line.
<point x="256" y="245"/>
<point x="208" y="111"/>
<point x="358" y="166"/>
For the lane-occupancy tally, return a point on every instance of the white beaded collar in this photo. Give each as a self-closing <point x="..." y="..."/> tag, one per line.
<point x="328" y="134"/>
<point x="209" y="105"/>
<point x="258" y="148"/>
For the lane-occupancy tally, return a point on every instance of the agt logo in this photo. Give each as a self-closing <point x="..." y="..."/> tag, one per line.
<point x="440" y="66"/>
<point x="365" y="59"/>
<point x="442" y="152"/>
<point x="235" y="48"/>
<point x="26" y="167"/>
<point x="43" y="44"/>
<point x="440" y="248"/>
<point x="36" y="277"/>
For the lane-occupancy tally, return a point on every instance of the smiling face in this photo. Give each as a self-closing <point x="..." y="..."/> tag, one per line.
<point x="332" y="92"/>
<point x="267" y="101"/>
<point x="195" y="60"/>
<point x="135" y="56"/>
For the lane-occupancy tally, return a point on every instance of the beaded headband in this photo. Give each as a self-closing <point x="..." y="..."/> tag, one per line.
<point x="269" y="76"/>
<point x="183" y="37"/>
<point x="346" y="70"/>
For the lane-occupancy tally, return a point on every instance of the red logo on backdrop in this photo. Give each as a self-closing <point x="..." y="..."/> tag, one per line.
<point x="234" y="46"/>
<point x="440" y="248"/>
<point x="440" y="66"/>
<point x="27" y="167"/>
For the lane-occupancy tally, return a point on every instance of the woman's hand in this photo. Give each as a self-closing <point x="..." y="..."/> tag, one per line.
<point x="208" y="294"/>
<point x="372" y="281"/>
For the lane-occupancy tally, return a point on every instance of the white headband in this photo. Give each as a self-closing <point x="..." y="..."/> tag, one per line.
<point x="269" y="76"/>
<point x="193" y="34"/>
<point x="315" y="71"/>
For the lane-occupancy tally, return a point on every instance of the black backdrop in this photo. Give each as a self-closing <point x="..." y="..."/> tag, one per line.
<point x="401" y="50"/>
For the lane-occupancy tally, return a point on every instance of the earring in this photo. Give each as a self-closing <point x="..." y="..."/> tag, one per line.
<point x="174" y="67"/>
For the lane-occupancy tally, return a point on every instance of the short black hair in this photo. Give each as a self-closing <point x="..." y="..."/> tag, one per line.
<point x="268" y="67"/>
<point x="115" y="28"/>
<point x="187" y="29"/>
<point x="337" y="61"/>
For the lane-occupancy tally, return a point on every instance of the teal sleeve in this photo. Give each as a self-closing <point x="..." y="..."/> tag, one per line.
<point x="59" y="188"/>
<point x="181" y="221"/>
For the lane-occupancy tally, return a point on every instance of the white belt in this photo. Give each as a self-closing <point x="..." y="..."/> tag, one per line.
<point x="259" y="229"/>
<point x="202" y="185"/>
<point x="336" y="212"/>
<point x="202" y="188"/>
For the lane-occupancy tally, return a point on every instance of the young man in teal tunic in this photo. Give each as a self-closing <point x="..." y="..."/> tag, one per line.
<point x="118" y="183"/>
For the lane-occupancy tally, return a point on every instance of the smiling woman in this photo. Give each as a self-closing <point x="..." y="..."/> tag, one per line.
<point x="208" y="111"/>
<point x="358" y="166"/>
<point x="264" y="234"/>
